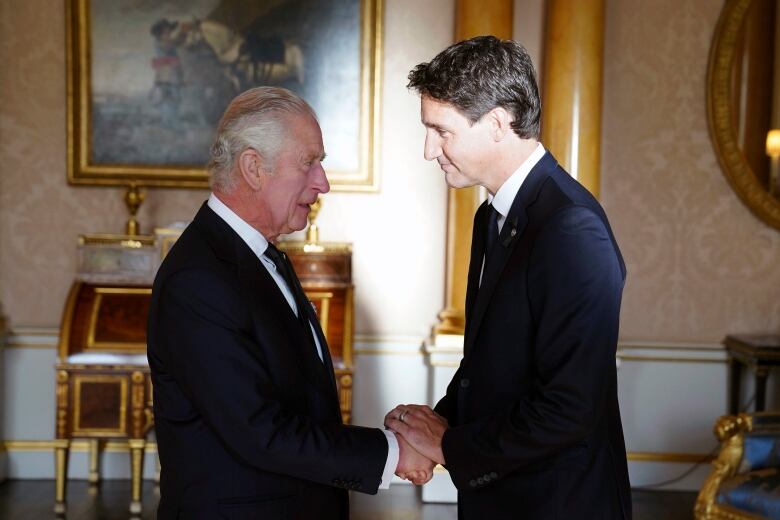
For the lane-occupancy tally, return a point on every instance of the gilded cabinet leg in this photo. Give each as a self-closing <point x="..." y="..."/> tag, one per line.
<point x="94" y="462"/>
<point x="137" y="464"/>
<point x="61" y="467"/>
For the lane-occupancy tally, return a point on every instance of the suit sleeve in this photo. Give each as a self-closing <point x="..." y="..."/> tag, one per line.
<point x="575" y="283"/>
<point x="447" y="405"/>
<point x="220" y="369"/>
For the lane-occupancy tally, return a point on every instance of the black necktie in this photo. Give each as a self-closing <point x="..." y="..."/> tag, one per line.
<point x="491" y="233"/>
<point x="283" y="266"/>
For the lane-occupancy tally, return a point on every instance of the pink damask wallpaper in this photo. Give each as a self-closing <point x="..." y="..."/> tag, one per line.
<point x="40" y="215"/>
<point x="700" y="265"/>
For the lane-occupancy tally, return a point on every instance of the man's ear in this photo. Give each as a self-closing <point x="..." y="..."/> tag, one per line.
<point x="250" y="164"/>
<point x="499" y="120"/>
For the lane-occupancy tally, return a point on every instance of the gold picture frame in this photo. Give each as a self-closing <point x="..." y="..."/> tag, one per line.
<point x="721" y="117"/>
<point x="121" y="137"/>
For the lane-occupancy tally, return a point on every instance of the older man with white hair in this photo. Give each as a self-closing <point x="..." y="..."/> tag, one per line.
<point x="246" y="411"/>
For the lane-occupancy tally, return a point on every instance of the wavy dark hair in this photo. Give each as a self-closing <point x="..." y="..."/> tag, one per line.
<point x="480" y="74"/>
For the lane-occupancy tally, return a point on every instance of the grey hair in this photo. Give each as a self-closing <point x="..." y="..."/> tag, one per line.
<point x="254" y="119"/>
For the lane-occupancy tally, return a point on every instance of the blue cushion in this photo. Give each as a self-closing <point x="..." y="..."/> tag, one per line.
<point x="756" y="492"/>
<point x="762" y="450"/>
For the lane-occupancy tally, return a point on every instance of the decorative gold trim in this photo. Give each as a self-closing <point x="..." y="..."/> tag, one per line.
<point x="349" y="325"/>
<point x="75" y="446"/>
<point x="365" y="338"/>
<point x="34" y="331"/>
<point x="669" y="359"/>
<point x="67" y="317"/>
<point x="387" y="352"/>
<point x="719" y="87"/>
<point x="324" y="299"/>
<point x="81" y="172"/>
<point x="108" y="345"/>
<point x="671" y="347"/>
<point x="131" y="241"/>
<point x="31" y="346"/>
<point x="298" y="246"/>
<point x="651" y="456"/>
<point x="445" y="364"/>
<point x="78" y="379"/>
<point x="730" y="432"/>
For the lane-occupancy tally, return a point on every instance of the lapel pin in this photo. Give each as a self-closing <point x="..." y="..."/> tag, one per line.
<point x="512" y="232"/>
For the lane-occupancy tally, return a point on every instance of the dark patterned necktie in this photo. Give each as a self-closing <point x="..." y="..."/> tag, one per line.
<point x="491" y="233"/>
<point x="305" y="311"/>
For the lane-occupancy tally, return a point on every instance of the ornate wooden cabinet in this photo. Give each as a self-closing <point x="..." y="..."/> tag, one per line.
<point x="103" y="386"/>
<point x="325" y="272"/>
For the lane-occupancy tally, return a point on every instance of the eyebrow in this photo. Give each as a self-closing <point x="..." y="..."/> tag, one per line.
<point x="319" y="157"/>
<point x="432" y="125"/>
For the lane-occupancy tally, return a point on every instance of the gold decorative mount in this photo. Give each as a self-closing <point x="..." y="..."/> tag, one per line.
<point x="312" y="243"/>
<point x="133" y="198"/>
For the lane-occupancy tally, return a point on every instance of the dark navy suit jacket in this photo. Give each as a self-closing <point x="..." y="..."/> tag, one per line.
<point x="246" y="414"/>
<point x="535" y="425"/>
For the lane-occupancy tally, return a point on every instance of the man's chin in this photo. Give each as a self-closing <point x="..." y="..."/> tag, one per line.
<point x="454" y="182"/>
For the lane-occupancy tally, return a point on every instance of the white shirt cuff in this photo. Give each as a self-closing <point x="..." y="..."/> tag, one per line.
<point x="392" y="460"/>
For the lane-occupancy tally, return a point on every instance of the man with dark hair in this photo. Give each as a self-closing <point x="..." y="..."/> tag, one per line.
<point x="245" y="406"/>
<point x="530" y="426"/>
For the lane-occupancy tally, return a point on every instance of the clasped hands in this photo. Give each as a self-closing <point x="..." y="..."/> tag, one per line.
<point x="419" y="431"/>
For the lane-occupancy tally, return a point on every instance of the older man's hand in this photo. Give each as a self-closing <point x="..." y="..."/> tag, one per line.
<point x="412" y="465"/>
<point x="421" y="427"/>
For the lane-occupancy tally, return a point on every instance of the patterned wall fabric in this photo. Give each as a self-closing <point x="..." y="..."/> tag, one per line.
<point x="700" y="265"/>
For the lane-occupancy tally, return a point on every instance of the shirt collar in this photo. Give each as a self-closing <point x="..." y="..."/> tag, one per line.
<point x="253" y="238"/>
<point x="505" y="196"/>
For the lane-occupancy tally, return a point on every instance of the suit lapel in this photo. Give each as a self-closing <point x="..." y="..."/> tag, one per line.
<point x="511" y="235"/>
<point x="266" y="301"/>
<point x="475" y="264"/>
<point x="328" y="368"/>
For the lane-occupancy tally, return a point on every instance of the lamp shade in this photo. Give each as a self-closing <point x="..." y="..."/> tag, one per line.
<point x="773" y="143"/>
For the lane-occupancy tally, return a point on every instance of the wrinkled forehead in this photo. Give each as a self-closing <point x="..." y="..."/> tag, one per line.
<point x="303" y="132"/>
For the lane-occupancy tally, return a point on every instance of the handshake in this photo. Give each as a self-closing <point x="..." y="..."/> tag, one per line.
<point x="419" y="431"/>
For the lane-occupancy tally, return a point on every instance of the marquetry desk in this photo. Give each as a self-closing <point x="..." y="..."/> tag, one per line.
<point x="103" y="386"/>
<point x="760" y="353"/>
<point x="325" y="272"/>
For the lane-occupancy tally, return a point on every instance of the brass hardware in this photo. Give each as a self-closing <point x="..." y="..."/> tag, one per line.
<point x="313" y="232"/>
<point x="133" y="198"/>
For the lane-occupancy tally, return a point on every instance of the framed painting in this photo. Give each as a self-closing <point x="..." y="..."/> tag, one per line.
<point x="149" y="79"/>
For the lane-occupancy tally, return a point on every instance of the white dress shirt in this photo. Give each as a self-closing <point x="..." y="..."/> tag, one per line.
<point x="258" y="244"/>
<point x="505" y="196"/>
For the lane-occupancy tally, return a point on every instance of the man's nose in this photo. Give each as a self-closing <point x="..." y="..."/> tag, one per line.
<point x="321" y="183"/>
<point x="432" y="148"/>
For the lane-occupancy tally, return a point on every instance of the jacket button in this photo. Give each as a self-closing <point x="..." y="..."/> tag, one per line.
<point x="486" y="478"/>
<point x="464" y="383"/>
<point x="480" y="481"/>
<point x="473" y="483"/>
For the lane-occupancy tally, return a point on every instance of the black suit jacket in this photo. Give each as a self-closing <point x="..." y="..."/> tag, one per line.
<point x="246" y="415"/>
<point x="535" y="426"/>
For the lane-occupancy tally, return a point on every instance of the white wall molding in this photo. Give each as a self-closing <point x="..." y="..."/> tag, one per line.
<point x="670" y="395"/>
